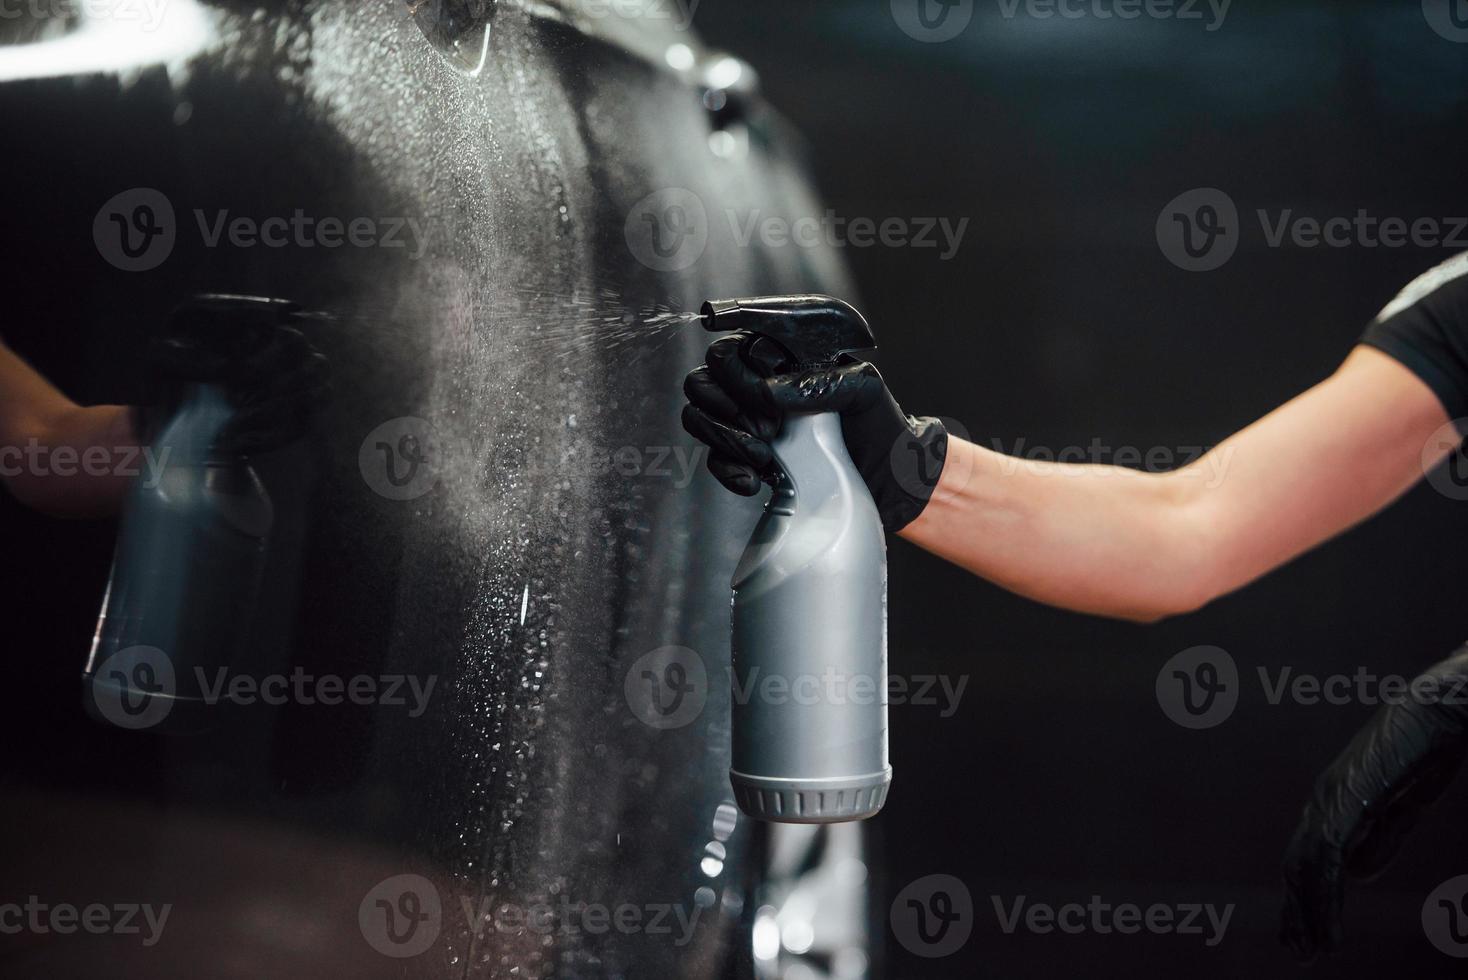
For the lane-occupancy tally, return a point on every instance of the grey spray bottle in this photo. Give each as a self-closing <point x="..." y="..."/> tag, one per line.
<point x="809" y="638"/>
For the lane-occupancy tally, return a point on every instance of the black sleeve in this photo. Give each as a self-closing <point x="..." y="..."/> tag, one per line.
<point x="1426" y="329"/>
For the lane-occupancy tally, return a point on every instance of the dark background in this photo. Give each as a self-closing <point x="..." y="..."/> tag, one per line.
<point x="1060" y="321"/>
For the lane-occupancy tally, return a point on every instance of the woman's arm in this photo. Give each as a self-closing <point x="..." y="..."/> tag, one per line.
<point x="36" y="421"/>
<point x="71" y="461"/>
<point x="1141" y="546"/>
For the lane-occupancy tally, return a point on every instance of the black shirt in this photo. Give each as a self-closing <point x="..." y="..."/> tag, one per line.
<point x="1426" y="328"/>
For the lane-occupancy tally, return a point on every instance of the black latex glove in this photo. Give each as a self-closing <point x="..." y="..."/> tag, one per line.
<point x="252" y="349"/>
<point x="1366" y="803"/>
<point x="738" y="397"/>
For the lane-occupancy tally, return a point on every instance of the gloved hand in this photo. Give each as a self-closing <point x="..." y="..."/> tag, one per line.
<point x="739" y="396"/>
<point x="253" y="350"/>
<point x="1367" y="802"/>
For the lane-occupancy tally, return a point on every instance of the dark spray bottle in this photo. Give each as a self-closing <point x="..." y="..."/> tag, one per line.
<point x="185" y="579"/>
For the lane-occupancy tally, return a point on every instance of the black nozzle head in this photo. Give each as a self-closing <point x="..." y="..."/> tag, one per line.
<point x="814" y="330"/>
<point x="716" y="308"/>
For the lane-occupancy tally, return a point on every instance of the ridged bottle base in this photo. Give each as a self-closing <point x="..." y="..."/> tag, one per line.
<point x="811" y="801"/>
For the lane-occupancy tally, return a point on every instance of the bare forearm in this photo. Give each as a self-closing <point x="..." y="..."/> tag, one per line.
<point x="1098" y="539"/>
<point x="1141" y="546"/>
<point x="56" y="456"/>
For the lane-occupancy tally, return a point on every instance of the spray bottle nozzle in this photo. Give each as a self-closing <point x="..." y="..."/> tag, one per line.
<point x="813" y="330"/>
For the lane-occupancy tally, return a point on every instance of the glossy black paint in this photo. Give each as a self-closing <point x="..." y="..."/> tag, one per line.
<point x="525" y="583"/>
